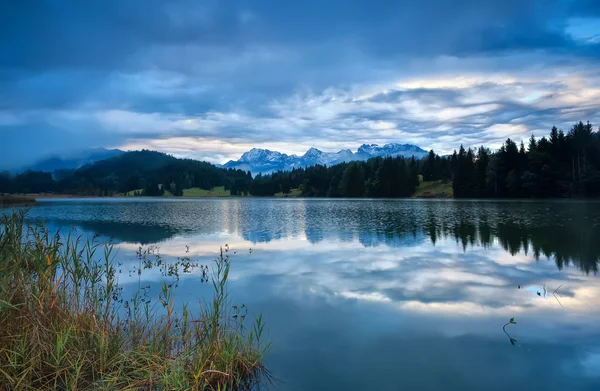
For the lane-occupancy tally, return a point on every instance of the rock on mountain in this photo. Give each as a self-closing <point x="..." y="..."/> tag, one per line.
<point x="264" y="161"/>
<point x="407" y="150"/>
<point x="259" y="160"/>
<point x="74" y="160"/>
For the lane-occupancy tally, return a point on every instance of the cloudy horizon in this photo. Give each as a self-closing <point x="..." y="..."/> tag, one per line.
<point x="212" y="79"/>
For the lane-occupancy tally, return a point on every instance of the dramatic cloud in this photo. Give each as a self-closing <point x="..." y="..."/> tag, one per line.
<point x="210" y="79"/>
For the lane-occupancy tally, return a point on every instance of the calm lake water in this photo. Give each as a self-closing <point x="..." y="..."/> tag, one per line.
<point x="385" y="295"/>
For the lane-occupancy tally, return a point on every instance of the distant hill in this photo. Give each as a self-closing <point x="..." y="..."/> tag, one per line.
<point x="151" y="173"/>
<point x="73" y="161"/>
<point x="264" y="161"/>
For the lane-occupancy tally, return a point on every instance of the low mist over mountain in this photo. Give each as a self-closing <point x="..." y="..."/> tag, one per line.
<point x="264" y="161"/>
<point x="73" y="161"/>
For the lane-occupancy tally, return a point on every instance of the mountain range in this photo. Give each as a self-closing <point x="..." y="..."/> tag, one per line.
<point x="72" y="161"/>
<point x="256" y="160"/>
<point x="264" y="161"/>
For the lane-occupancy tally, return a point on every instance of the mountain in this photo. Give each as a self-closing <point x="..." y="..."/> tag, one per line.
<point x="149" y="172"/>
<point x="264" y="161"/>
<point x="73" y="161"/>
<point x="259" y="160"/>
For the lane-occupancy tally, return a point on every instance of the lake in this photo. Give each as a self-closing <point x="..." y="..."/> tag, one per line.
<point x="385" y="294"/>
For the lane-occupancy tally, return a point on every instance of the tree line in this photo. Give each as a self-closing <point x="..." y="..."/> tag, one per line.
<point x="146" y="173"/>
<point x="560" y="165"/>
<point x="376" y="177"/>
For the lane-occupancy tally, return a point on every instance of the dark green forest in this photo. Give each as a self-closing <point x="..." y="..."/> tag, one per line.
<point x="560" y="165"/>
<point x="149" y="172"/>
<point x="378" y="177"/>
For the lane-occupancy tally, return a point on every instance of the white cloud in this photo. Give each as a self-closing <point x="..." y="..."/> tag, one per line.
<point x="471" y="108"/>
<point x="483" y="110"/>
<point x="370" y="296"/>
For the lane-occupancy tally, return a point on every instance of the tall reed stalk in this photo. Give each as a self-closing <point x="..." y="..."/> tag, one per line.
<point x="64" y="324"/>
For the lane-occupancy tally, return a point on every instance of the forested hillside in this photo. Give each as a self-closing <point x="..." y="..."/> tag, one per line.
<point x="560" y="165"/>
<point x="148" y="172"/>
<point x="377" y="177"/>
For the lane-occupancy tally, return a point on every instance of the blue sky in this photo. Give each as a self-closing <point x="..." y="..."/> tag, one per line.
<point x="212" y="79"/>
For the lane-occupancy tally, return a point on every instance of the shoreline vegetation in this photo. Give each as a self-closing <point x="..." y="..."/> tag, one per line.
<point x="425" y="189"/>
<point x="433" y="189"/>
<point x="67" y="325"/>
<point x="16" y="200"/>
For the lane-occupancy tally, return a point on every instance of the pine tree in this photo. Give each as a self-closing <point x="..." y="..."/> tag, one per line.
<point x="352" y="183"/>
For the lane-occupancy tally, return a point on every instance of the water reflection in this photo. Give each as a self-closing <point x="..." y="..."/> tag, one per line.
<point x="389" y="295"/>
<point x="566" y="232"/>
<point x="343" y="316"/>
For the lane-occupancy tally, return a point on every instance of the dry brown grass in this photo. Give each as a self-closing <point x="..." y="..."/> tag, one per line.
<point x="6" y="200"/>
<point x="66" y="326"/>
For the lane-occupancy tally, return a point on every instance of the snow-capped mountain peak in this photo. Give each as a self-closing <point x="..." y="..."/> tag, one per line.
<point x="313" y="152"/>
<point x="256" y="154"/>
<point x="367" y="148"/>
<point x="265" y="161"/>
<point x="392" y="149"/>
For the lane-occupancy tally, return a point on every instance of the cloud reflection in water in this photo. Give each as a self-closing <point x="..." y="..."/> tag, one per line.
<point x="398" y="294"/>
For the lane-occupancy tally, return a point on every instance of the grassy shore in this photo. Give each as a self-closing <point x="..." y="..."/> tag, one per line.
<point x="292" y="193"/>
<point x="11" y="200"/>
<point x="218" y="191"/>
<point x="66" y="325"/>
<point x="434" y="189"/>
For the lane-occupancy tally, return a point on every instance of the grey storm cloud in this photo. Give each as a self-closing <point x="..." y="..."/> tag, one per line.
<point x="234" y="74"/>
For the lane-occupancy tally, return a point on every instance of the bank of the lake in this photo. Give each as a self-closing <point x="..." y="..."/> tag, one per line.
<point x="371" y="294"/>
<point x="67" y="325"/>
<point x="16" y="200"/>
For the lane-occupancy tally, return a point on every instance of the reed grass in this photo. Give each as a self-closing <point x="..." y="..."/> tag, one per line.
<point x="16" y="200"/>
<point x="65" y="325"/>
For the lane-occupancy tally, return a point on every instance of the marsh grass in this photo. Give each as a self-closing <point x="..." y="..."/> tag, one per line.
<point x="6" y="200"/>
<point x="65" y="324"/>
<point x="217" y="191"/>
<point x="434" y="189"/>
